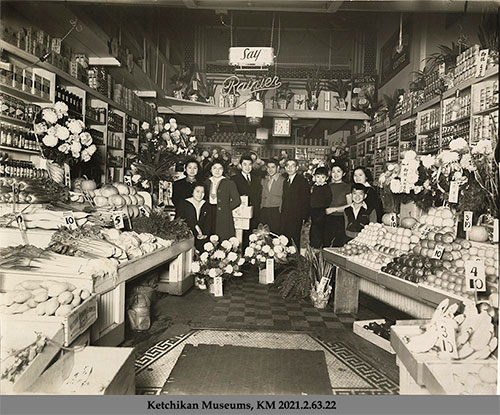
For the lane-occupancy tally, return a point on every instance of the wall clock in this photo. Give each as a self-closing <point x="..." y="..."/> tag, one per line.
<point x="282" y="127"/>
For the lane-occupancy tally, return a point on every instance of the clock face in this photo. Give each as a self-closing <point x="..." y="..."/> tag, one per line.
<point x="282" y="127"/>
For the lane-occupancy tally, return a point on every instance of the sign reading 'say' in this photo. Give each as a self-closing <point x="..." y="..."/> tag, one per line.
<point x="251" y="56"/>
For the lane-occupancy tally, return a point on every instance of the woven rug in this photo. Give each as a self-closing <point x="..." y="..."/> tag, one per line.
<point x="349" y="372"/>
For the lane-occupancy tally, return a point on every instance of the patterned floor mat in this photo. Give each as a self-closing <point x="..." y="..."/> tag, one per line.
<point x="349" y="373"/>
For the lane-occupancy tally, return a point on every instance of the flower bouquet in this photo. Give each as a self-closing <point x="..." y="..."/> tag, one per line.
<point x="219" y="261"/>
<point x="265" y="249"/>
<point x="163" y="145"/>
<point x="62" y="139"/>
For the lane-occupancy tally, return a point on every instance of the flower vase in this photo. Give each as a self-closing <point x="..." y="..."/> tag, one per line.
<point x="266" y="274"/>
<point x="56" y="172"/>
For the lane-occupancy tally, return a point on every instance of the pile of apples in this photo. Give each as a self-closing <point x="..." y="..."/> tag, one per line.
<point x="397" y="241"/>
<point x="371" y="234"/>
<point x="441" y="217"/>
<point x="373" y="259"/>
<point x="353" y="249"/>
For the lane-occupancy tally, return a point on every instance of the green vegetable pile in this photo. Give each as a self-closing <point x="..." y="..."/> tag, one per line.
<point x="159" y="224"/>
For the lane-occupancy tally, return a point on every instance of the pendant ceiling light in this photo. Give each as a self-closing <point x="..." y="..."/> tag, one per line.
<point x="254" y="111"/>
<point x="399" y="48"/>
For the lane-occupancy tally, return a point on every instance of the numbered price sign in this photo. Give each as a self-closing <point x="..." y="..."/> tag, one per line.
<point x="495" y="230"/>
<point x="447" y="339"/>
<point x="468" y="220"/>
<point x="425" y="231"/>
<point x="438" y="251"/>
<point x="394" y="220"/>
<point x="143" y="211"/>
<point x="69" y="220"/>
<point x="475" y="279"/>
<point x="127" y="180"/>
<point x="454" y="190"/>
<point x="118" y="221"/>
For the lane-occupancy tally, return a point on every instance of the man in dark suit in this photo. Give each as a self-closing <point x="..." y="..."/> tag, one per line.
<point x="249" y="184"/>
<point x="295" y="205"/>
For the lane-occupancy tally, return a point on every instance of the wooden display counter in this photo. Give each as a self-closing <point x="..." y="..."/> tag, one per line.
<point x="352" y="277"/>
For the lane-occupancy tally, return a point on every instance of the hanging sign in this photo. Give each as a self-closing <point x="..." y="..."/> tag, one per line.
<point x="454" y="190"/>
<point x="481" y="63"/>
<point x="475" y="279"/>
<point x="251" y="56"/>
<point x="235" y="86"/>
<point x="67" y="175"/>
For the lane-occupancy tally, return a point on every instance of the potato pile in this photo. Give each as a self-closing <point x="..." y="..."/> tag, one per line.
<point x="42" y="298"/>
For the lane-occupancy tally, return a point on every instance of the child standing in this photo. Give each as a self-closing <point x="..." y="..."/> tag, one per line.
<point x="357" y="215"/>
<point x="321" y="197"/>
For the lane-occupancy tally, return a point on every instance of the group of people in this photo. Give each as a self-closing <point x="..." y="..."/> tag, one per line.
<point x="284" y="202"/>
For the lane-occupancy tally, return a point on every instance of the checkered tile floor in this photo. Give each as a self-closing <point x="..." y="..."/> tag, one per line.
<point x="247" y="303"/>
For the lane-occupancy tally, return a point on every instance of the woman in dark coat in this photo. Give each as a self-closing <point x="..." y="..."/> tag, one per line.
<point x="183" y="188"/>
<point x="223" y="197"/>
<point x="194" y="210"/>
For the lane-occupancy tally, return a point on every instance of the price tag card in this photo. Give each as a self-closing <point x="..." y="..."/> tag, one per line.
<point x="481" y="63"/>
<point x="424" y="232"/>
<point x="269" y="271"/>
<point x="21" y="224"/>
<point x="69" y="220"/>
<point x="218" y="287"/>
<point x="475" y="279"/>
<point x="438" y="251"/>
<point x="67" y="175"/>
<point x="447" y="339"/>
<point x="118" y="220"/>
<point x="143" y="211"/>
<point x="454" y="190"/>
<point x="394" y="220"/>
<point x="468" y="220"/>
<point x="42" y="164"/>
<point x="195" y="85"/>
<point x="127" y="179"/>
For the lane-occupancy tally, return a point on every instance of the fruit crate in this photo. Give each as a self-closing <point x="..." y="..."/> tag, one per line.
<point x="368" y="335"/>
<point x="75" y="323"/>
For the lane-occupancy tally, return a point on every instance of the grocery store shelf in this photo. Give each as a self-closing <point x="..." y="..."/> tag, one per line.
<point x="467" y="84"/>
<point x="15" y="121"/>
<point x="429" y="131"/>
<point x="19" y="150"/>
<point x="431" y="103"/>
<point x="25" y="96"/>
<point x="115" y="148"/>
<point x="272" y="145"/>
<point x="486" y="111"/>
<point x="466" y="118"/>
<point x="91" y="121"/>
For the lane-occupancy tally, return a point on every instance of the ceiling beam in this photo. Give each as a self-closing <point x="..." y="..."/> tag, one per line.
<point x="190" y="4"/>
<point x="334" y="6"/>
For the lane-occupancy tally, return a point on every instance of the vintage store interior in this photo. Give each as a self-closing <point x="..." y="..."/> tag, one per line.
<point x="203" y="197"/>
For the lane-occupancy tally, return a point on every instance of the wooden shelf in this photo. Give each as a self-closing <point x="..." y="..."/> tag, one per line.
<point x="466" y="118"/>
<point x="25" y="96"/>
<point x="19" y="150"/>
<point x="61" y="74"/>
<point x="429" y="131"/>
<point x="466" y="84"/>
<point x="432" y="102"/>
<point x="486" y="111"/>
<point x="114" y="148"/>
<point x="15" y="121"/>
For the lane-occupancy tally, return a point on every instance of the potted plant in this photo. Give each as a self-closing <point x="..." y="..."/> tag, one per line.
<point x="283" y="95"/>
<point x="342" y="88"/>
<point x="314" y="86"/>
<point x="321" y="274"/>
<point x="294" y="281"/>
<point x="488" y="37"/>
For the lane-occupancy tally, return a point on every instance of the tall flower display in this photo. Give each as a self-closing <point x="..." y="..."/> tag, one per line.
<point x="62" y="139"/>
<point x="264" y="245"/>
<point x="219" y="259"/>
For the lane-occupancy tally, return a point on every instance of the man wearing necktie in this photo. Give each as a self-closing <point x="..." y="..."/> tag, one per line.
<point x="272" y="195"/>
<point x="295" y="204"/>
<point x="249" y="184"/>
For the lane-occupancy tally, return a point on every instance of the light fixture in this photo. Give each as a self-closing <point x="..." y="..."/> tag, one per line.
<point x="254" y="111"/>
<point x="399" y="47"/>
<point x="455" y="107"/>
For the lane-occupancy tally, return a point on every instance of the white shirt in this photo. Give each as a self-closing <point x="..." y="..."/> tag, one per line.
<point x="212" y="198"/>
<point x="356" y="209"/>
<point x="290" y="178"/>
<point x="271" y="180"/>
<point x="247" y="177"/>
<point x="197" y="206"/>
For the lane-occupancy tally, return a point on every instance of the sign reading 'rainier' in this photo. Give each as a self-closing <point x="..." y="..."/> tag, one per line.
<point x="251" y="56"/>
<point x="235" y="86"/>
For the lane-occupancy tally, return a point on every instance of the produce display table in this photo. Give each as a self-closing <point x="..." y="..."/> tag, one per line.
<point x="352" y="277"/>
<point x="425" y="373"/>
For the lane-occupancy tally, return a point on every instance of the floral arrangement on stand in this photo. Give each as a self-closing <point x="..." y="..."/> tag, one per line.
<point x="266" y="245"/>
<point x="162" y="146"/>
<point x="218" y="259"/>
<point x="62" y="140"/>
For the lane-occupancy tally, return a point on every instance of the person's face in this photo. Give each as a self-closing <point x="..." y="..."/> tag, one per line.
<point x="358" y="196"/>
<point x="359" y="176"/>
<point x="192" y="170"/>
<point x="291" y="167"/>
<point x="217" y="170"/>
<point x="246" y="166"/>
<point x="198" y="193"/>
<point x="337" y="174"/>
<point x="271" y="169"/>
<point x="320" y="178"/>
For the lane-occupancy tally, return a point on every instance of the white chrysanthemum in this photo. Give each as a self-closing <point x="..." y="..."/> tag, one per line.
<point x="208" y="246"/>
<point x="234" y="241"/>
<point x="382" y="179"/>
<point x="40" y="128"/>
<point x="49" y="115"/>
<point x="219" y="254"/>
<point x="395" y="186"/>
<point x="252" y="237"/>
<point x="85" y="156"/>
<point x="266" y="249"/>
<point x="276" y="241"/>
<point x="410" y="155"/>
<point x="76" y="126"/>
<point x="76" y="147"/>
<point x="258" y="247"/>
<point x="238" y="274"/>
<point x="249" y="252"/>
<point x="61" y="109"/>
<point x="277" y="249"/>
<point x="50" y="140"/>
<point x="241" y="261"/>
<point x="418" y="189"/>
<point x="62" y="132"/>
<point x="229" y="269"/>
<point x="226" y="245"/>
<point x="145" y="125"/>
<point x="195" y="267"/>
<point x="262" y="258"/>
<point x="448" y="156"/>
<point x="64" y="148"/>
<point x="467" y="163"/>
<point x="213" y="273"/>
<point x="283" y="239"/>
<point x="482" y="147"/>
<point x="252" y="261"/>
<point x="428" y="161"/>
<point x="232" y="256"/>
<point x="186" y="130"/>
<point x="390" y="167"/>
<point x="457" y="144"/>
<point x="204" y="257"/>
<point x="85" y="138"/>
<point x="214" y="238"/>
<point x="92" y="149"/>
<point x="291" y="250"/>
<point x="270" y="253"/>
<point x="192" y="139"/>
<point x="172" y="121"/>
